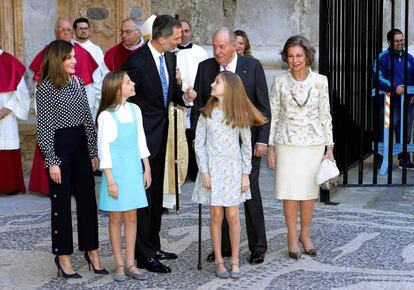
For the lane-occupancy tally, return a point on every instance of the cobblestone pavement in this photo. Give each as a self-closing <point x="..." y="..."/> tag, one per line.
<point x="359" y="248"/>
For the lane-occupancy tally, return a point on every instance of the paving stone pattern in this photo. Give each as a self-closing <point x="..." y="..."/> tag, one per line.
<point x="358" y="249"/>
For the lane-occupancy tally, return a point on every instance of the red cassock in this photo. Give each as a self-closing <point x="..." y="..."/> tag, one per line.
<point x="116" y="56"/>
<point x="11" y="171"/>
<point x="84" y="68"/>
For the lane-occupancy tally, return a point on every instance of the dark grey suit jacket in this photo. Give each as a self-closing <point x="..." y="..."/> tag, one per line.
<point x="143" y="72"/>
<point x="252" y="75"/>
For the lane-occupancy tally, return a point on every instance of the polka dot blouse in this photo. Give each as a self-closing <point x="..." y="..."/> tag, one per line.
<point x="62" y="108"/>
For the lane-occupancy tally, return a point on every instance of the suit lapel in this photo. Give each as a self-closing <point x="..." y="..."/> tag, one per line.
<point x="241" y="68"/>
<point x="171" y="62"/>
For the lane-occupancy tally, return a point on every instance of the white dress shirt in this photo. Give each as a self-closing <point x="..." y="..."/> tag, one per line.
<point x="108" y="132"/>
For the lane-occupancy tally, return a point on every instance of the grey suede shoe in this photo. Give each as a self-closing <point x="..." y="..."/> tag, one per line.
<point x="235" y="275"/>
<point x="222" y="275"/>
<point x="139" y="276"/>
<point x="119" y="277"/>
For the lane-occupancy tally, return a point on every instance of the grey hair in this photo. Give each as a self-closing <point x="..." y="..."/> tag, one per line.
<point x="299" y="40"/>
<point x="230" y="32"/>
<point x="137" y="22"/>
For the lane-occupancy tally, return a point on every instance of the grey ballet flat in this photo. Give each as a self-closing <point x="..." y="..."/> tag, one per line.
<point x="139" y="276"/>
<point x="222" y="275"/>
<point x="235" y="275"/>
<point x="119" y="277"/>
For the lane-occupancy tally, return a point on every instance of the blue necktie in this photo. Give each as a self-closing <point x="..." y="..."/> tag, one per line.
<point x="164" y="81"/>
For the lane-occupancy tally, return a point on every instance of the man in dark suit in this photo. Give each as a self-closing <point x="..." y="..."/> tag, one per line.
<point x="152" y="69"/>
<point x="251" y="73"/>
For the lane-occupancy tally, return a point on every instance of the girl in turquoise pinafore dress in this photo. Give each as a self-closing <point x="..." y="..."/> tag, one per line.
<point x="121" y="146"/>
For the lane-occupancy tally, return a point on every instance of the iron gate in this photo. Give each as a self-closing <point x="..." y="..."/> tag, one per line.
<point x="350" y="43"/>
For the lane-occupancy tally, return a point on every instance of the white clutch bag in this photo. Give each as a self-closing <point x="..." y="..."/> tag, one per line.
<point x="326" y="174"/>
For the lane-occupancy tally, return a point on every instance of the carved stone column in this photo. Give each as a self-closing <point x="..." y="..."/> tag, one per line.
<point x="105" y="16"/>
<point x="11" y="28"/>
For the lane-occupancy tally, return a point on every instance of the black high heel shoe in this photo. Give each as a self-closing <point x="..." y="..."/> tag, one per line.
<point x="102" y="271"/>
<point x="311" y="252"/>
<point x="294" y="255"/>
<point x="64" y="275"/>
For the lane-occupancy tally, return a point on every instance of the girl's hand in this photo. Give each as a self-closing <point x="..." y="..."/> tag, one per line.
<point x="113" y="190"/>
<point x="271" y="159"/>
<point x="54" y="172"/>
<point x="206" y="180"/>
<point x="147" y="179"/>
<point x="95" y="163"/>
<point x="245" y="182"/>
<point x="329" y="154"/>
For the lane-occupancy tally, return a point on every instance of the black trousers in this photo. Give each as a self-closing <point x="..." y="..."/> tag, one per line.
<point x="149" y="218"/>
<point x="77" y="179"/>
<point x="255" y="224"/>
<point x="192" y="163"/>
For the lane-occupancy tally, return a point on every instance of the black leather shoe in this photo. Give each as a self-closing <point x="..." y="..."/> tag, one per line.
<point x="212" y="257"/>
<point x="256" y="258"/>
<point x="153" y="265"/>
<point x="162" y="255"/>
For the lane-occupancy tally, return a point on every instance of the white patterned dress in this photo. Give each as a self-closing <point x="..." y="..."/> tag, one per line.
<point x="225" y="153"/>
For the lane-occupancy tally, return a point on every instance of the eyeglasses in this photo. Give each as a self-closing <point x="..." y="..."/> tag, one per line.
<point x="127" y="31"/>
<point x="64" y="30"/>
<point x="82" y="28"/>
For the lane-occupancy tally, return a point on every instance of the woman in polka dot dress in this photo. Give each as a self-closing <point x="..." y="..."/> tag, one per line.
<point x="67" y="138"/>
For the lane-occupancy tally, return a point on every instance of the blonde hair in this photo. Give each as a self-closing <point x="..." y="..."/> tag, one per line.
<point x="239" y="111"/>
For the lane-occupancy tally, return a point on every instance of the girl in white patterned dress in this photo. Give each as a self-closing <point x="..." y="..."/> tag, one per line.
<point x="223" y="152"/>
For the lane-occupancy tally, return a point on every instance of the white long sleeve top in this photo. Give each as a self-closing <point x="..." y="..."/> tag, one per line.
<point x="108" y="132"/>
<point x="18" y="102"/>
<point x="308" y="124"/>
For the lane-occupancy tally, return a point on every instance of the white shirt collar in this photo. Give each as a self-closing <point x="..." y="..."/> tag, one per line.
<point x="155" y="54"/>
<point x="232" y="65"/>
<point x="1" y="51"/>
<point x="136" y="46"/>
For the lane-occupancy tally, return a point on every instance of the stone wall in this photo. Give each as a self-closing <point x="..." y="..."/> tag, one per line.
<point x="268" y="23"/>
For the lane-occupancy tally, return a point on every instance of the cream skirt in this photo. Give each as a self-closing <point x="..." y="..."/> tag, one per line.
<point x="296" y="167"/>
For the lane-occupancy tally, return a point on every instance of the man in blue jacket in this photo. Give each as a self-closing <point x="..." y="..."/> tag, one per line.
<point x="395" y="39"/>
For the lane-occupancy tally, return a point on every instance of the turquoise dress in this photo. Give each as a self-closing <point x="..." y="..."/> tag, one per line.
<point x="126" y="169"/>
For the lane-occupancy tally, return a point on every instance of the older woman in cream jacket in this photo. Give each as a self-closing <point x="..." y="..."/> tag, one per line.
<point x="300" y="137"/>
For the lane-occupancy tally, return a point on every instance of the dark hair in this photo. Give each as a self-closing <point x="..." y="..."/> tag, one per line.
<point x="247" y="51"/>
<point x="183" y="20"/>
<point x="392" y="33"/>
<point x="79" y="20"/>
<point x="239" y="111"/>
<point x="52" y="65"/>
<point x="163" y="26"/>
<point x="299" y="40"/>
<point x="111" y="91"/>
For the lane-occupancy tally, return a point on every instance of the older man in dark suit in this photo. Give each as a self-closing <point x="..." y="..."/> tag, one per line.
<point x="152" y="69"/>
<point x="251" y="73"/>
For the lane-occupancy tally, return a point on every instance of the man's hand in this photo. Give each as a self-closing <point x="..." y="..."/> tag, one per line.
<point x="190" y="95"/>
<point x="4" y="112"/>
<point x="400" y="90"/>
<point x="260" y="150"/>
<point x="54" y="171"/>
